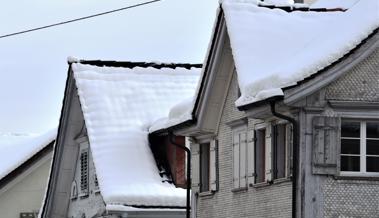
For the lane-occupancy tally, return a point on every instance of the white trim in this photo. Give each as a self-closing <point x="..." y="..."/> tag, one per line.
<point x="363" y="150"/>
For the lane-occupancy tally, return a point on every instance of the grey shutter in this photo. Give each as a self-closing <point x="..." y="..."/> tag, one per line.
<point x="250" y="157"/>
<point x="236" y="145"/>
<point x="195" y="168"/>
<point x="289" y="144"/>
<point x="242" y="154"/>
<point x="268" y="153"/>
<point x="213" y="165"/>
<point x="326" y="139"/>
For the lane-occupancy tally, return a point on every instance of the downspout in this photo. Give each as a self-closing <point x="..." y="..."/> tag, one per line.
<point x="295" y="152"/>
<point x="188" y="151"/>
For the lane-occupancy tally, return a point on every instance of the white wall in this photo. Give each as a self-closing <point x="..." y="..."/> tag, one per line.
<point x="25" y="193"/>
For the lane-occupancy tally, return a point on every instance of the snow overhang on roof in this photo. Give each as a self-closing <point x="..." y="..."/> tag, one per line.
<point x="119" y="106"/>
<point x="274" y="49"/>
<point x="16" y="149"/>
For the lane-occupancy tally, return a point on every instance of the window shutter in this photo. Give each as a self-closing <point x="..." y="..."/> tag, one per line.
<point x="84" y="169"/>
<point x="242" y="154"/>
<point x="236" y="160"/>
<point x="326" y="139"/>
<point x="195" y="168"/>
<point x="250" y="156"/>
<point x="268" y="153"/>
<point x="213" y="165"/>
<point x="289" y="144"/>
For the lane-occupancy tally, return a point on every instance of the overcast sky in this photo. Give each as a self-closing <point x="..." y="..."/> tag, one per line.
<point x="33" y="66"/>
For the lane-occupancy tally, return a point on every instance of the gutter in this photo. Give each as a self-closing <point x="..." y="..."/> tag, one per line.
<point x="187" y="150"/>
<point x="295" y="153"/>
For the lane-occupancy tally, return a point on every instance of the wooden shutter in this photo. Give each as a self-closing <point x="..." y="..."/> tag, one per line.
<point x="326" y="139"/>
<point x="289" y="147"/>
<point x="213" y="165"/>
<point x="195" y="168"/>
<point x="268" y="153"/>
<point x="243" y="154"/>
<point x="250" y="156"/>
<point x="236" y="161"/>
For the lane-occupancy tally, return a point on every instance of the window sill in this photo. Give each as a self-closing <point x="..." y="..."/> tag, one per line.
<point x="282" y="180"/>
<point x="357" y="176"/>
<point x="207" y="193"/>
<point x="238" y="190"/>
<point x="260" y="185"/>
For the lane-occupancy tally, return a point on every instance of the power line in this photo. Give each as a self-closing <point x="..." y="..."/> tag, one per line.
<point x="77" y="19"/>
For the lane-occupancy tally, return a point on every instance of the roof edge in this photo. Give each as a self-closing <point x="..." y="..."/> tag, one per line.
<point x="26" y="164"/>
<point x="131" y="64"/>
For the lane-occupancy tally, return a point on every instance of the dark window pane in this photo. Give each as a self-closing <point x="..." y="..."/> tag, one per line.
<point x="350" y="129"/>
<point x="372" y="130"/>
<point x="204" y="167"/>
<point x="373" y="147"/>
<point x="350" y="146"/>
<point x="350" y="163"/>
<point x="372" y="164"/>
<point x="279" y="151"/>
<point x="260" y="155"/>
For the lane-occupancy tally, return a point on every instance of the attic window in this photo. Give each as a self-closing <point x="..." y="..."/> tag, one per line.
<point x="84" y="171"/>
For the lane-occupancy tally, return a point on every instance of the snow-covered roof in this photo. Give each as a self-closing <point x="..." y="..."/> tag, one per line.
<point x="119" y="105"/>
<point x="274" y="49"/>
<point x="18" y="148"/>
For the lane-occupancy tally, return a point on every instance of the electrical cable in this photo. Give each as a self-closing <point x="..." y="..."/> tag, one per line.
<point x="77" y="19"/>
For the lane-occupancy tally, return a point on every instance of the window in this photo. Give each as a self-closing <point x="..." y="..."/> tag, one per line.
<point x="260" y="154"/>
<point x="204" y="167"/>
<point x="29" y="215"/>
<point x="359" y="147"/>
<point x="279" y="151"/>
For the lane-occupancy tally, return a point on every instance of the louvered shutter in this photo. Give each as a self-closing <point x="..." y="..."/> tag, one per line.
<point x="213" y="165"/>
<point x="195" y="169"/>
<point x="243" y="154"/>
<point x="250" y="156"/>
<point x="236" y="161"/>
<point x="326" y="139"/>
<point x="268" y="153"/>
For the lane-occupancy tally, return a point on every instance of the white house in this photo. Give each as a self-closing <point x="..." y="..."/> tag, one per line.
<point x="24" y="169"/>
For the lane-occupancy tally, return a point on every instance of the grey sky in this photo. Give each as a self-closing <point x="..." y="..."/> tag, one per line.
<point x="33" y="66"/>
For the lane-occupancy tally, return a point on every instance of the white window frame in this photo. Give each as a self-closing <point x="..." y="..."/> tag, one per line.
<point x="287" y="149"/>
<point x="363" y="150"/>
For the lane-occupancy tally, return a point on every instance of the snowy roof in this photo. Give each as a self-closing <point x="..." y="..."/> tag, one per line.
<point x="119" y="106"/>
<point x="274" y="49"/>
<point x="18" y="148"/>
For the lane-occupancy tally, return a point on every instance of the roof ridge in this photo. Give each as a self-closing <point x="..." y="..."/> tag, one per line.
<point x="300" y="7"/>
<point x="130" y="64"/>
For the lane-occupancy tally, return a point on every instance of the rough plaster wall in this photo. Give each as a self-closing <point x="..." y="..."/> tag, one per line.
<point x="360" y="84"/>
<point x="255" y="202"/>
<point x="93" y="203"/>
<point x="26" y="195"/>
<point x="350" y="198"/>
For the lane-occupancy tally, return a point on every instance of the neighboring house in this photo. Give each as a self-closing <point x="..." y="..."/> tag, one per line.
<point x="105" y="162"/>
<point x="24" y="171"/>
<point x="285" y="122"/>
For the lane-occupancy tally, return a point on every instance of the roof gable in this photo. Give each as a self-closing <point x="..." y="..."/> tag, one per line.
<point x="119" y="105"/>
